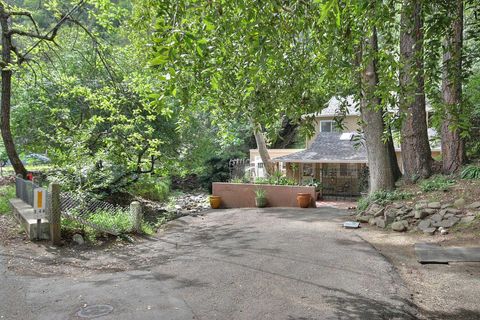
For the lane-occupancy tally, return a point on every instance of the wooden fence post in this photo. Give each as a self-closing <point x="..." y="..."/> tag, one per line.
<point x="55" y="213"/>
<point x="137" y="216"/>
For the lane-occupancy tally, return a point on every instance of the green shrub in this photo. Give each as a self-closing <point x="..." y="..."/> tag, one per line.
<point x="381" y="198"/>
<point x="6" y="193"/>
<point x="152" y="188"/>
<point x="436" y="183"/>
<point x="470" y="172"/>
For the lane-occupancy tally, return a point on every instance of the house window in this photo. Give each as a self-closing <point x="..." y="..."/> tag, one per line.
<point x="328" y="126"/>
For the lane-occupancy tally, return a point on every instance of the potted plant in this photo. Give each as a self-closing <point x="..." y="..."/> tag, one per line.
<point x="260" y="198"/>
<point x="303" y="200"/>
<point x="215" y="201"/>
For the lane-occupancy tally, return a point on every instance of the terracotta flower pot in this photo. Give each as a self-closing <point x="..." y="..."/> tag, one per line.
<point x="215" y="202"/>
<point x="303" y="200"/>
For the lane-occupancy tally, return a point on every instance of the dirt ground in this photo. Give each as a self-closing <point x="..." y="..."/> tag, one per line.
<point x="437" y="289"/>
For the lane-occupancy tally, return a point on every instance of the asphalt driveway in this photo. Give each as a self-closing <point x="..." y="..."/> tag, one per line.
<point x="270" y="263"/>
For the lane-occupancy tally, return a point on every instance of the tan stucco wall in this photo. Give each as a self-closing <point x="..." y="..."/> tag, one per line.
<point x="242" y="195"/>
<point x="350" y="125"/>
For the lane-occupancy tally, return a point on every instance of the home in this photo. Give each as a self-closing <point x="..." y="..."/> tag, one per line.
<point x="334" y="156"/>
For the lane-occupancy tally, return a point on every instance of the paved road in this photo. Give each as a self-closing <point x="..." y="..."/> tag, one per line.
<point x="230" y="264"/>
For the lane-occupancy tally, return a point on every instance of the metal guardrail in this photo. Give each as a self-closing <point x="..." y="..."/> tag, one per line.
<point x="24" y="190"/>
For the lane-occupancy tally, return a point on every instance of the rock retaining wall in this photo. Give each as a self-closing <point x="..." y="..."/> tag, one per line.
<point x="428" y="217"/>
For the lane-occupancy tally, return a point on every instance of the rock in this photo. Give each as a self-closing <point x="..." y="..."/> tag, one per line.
<point x="379" y="213"/>
<point x="380" y="223"/>
<point x="372" y="221"/>
<point x="442" y="212"/>
<point x="444" y="232"/>
<point x="398" y="205"/>
<point x="430" y="211"/>
<point x="436" y="217"/>
<point x="362" y="218"/>
<point x="400" y="225"/>
<point x="420" y="214"/>
<point x="429" y="231"/>
<point x="424" y="224"/>
<point x="420" y="205"/>
<point x="467" y="219"/>
<point x="447" y="205"/>
<point x="459" y="203"/>
<point x="453" y="210"/>
<point x="374" y="208"/>
<point x="448" y="215"/>
<point x="475" y="205"/>
<point x="448" y="223"/>
<point x="434" y="205"/>
<point x="78" y="239"/>
<point x="389" y="216"/>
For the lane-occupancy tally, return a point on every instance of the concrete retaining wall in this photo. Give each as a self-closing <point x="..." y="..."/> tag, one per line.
<point x="24" y="213"/>
<point x="242" y="195"/>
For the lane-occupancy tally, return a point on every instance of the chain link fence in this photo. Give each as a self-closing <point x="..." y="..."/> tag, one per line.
<point x="80" y="206"/>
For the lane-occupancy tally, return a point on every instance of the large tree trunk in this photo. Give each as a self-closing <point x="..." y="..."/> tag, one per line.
<point x="262" y="149"/>
<point x="453" y="146"/>
<point x="416" y="152"/>
<point x="397" y="173"/>
<point x="6" y="96"/>
<point x="379" y="160"/>
<point x="286" y="136"/>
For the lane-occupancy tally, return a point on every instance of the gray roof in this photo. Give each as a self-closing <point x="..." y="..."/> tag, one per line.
<point x="328" y="148"/>
<point x="333" y="107"/>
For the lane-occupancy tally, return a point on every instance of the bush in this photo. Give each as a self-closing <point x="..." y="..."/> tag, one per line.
<point x="120" y="221"/>
<point x="382" y="198"/>
<point x="6" y="193"/>
<point x="471" y="172"/>
<point x="151" y="188"/>
<point x="436" y="183"/>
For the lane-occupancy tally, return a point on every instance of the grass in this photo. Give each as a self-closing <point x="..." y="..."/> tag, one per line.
<point x="120" y="221"/>
<point x="6" y="193"/>
<point x="436" y="183"/>
<point x="382" y="198"/>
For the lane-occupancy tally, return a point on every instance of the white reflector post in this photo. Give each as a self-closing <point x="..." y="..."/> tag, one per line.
<point x="39" y="200"/>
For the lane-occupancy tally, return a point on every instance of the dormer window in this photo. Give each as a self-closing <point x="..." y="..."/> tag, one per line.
<point x="328" y="126"/>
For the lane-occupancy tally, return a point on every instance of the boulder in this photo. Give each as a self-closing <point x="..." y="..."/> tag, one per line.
<point x="374" y="208"/>
<point x="467" y="219"/>
<point x="400" y="226"/>
<point x="429" y="231"/>
<point x="398" y="205"/>
<point x="389" y="216"/>
<point x="459" y="203"/>
<point x="78" y="239"/>
<point x="424" y="224"/>
<point x="475" y="205"/>
<point x="420" y="205"/>
<point x="448" y="223"/>
<point x="372" y="221"/>
<point x="380" y="222"/>
<point x="436" y="217"/>
<point x="453" y="210"/>
<point x="430" y="211"/>
<point x="420" y="214"/>
<point x="447" y="205"/>
<point x="434" y="205"/>
<point x="362" y="218"/>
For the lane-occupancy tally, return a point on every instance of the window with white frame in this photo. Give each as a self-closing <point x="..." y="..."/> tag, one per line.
<point x="328" y="126"/>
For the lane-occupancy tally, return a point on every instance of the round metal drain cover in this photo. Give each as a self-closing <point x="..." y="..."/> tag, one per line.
<point x="95" y="311"/>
